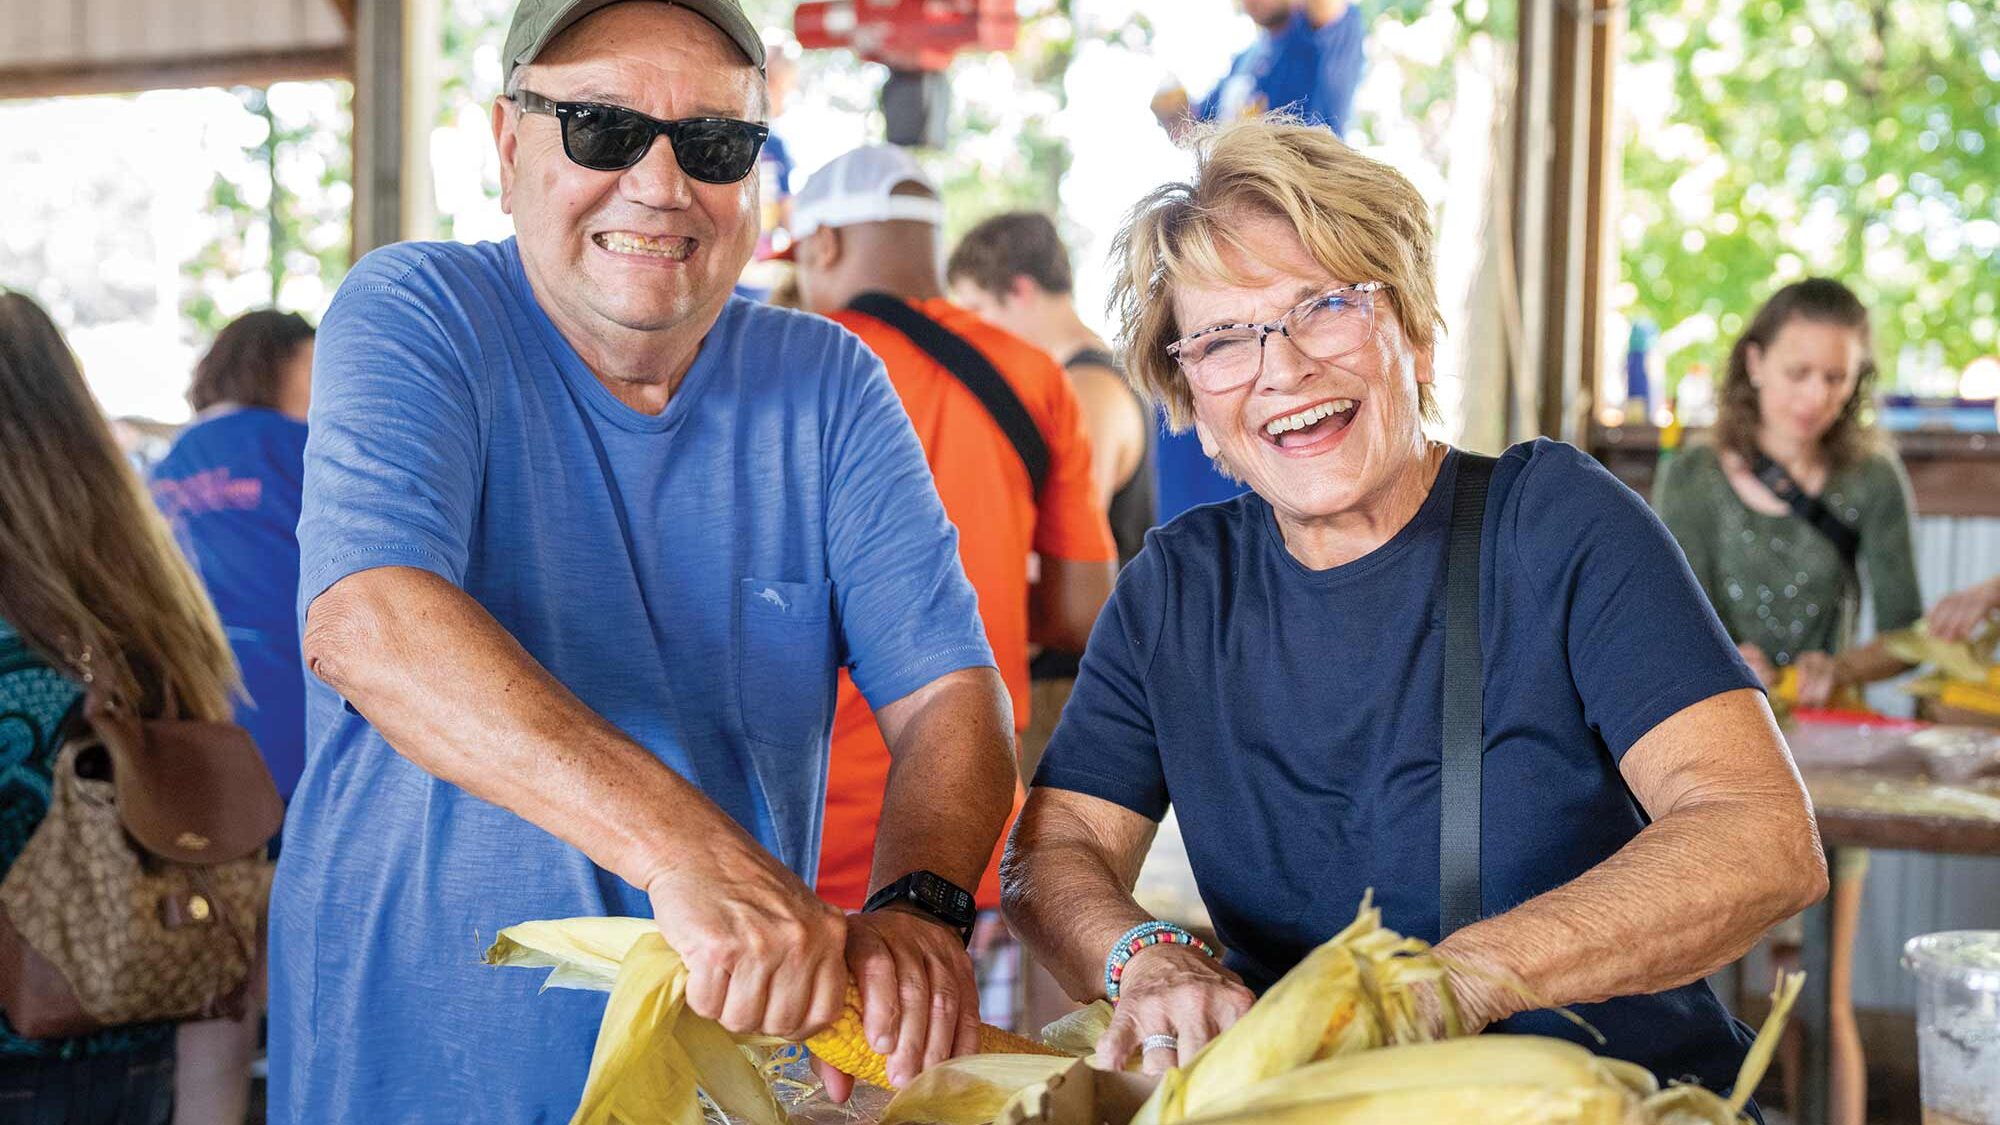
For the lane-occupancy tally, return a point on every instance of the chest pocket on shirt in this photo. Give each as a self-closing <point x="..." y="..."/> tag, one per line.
<point x="785" y="661"/>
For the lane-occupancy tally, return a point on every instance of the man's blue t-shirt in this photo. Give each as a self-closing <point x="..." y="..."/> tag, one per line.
<point x="782" y="520"/>
<point x="230" y="488"/>
<point x="1291" y="719"/>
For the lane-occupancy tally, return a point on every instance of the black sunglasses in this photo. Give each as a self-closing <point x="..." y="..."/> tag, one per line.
<point x="609" y="138"/>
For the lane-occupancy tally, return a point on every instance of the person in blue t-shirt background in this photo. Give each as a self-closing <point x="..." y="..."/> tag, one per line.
<point x="230" y="489"/>
<point x="1306" y="62"/>
<point x="1274" y="669"/>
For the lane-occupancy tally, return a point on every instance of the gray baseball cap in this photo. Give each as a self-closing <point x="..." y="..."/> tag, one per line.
<point x="538" y="22"/>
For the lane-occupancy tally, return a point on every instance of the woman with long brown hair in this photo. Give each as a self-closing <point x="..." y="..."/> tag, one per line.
<point x="1794" y="505"/>
<point x="1797" y="500"/>
<point x="91" y="588"/>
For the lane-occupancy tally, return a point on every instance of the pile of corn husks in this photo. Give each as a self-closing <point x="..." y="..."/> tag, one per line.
<point x="1339" y="1040"/>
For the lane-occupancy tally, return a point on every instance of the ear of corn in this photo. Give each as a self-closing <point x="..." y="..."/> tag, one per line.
<point x="1450" y="1105"/>
<point x="1338" y="1041"/>
<point x="1357" y="991"/>
<point x="652" y="1054"/>
<point x="844" y="1046"/>
<point x="1498" y="1060"/>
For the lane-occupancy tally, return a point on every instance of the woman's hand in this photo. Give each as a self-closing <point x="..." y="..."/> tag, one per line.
<point x="1820" y="676"/>
<point x="1760" y="665"/>
<point x="1172" y="990"/>
<point x="1957" y="617"/>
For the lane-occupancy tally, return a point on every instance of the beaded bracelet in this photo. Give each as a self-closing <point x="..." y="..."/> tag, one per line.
<point x="1138" y="938"/>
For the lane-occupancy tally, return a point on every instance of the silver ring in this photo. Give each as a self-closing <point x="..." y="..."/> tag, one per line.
<point x="1159" y="1043"/>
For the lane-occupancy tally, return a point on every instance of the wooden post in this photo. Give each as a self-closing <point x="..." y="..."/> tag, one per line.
<point x="1531" y="177"/>
<point x="1600" y="251"/>
<point x="395" y="103"/>
<point x="1562" y="110"/>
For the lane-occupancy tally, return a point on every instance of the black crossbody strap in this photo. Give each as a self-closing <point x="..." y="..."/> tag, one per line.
<point x="1464" y="724"/>
<point x="1811" y="509"/>
<point x="970" y="367"/>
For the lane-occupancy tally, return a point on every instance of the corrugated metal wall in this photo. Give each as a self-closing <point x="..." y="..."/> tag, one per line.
<point x="94" y="32"/>
<point x="1910" y="894"/>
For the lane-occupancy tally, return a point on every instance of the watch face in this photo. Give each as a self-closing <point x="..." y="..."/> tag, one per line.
<point x="943" y="898"/>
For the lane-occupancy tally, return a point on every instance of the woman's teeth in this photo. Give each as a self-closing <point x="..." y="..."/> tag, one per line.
<point x="620" y="242"/>
<point x="1308" y="416"/>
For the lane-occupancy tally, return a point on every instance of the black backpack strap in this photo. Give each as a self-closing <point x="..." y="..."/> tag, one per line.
<point x="1464" y="726"/>
<point x="970" y="367"/>
<point x="1811" y="509"/>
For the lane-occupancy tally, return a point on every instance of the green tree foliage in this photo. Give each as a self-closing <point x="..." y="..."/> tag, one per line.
<point x="281" y="214"/>
<point x="1858" y="139"/>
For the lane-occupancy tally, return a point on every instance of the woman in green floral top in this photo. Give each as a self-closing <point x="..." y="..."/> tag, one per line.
<point x="1799" y="380"/>
<point x="88" y="576"/>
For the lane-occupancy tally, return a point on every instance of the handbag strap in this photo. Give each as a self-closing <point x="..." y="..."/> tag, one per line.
<point x="1843" y="535"/>
<point x="1463" y="726"/>
<point x="971" y="367"/>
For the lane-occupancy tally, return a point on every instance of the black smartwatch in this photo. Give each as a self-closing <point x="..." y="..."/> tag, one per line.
<point x="935" y="895"/>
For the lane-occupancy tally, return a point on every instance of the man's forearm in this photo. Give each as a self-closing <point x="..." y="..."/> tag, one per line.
<point x="951" y="779"/>
<point x="1687" y="896"/>
<point x="455" y="693"/>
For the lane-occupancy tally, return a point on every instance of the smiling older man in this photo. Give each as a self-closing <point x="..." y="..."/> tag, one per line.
<point x="584" y="541"/>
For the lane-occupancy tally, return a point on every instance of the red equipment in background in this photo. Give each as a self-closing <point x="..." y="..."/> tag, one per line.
<point x="916" y="40"/>
<point x="908" y="34"/>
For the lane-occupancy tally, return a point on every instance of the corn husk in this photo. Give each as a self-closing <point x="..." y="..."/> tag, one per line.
<point x="652" y="1054"/>
<point x="970" y="1090"/>
<point x="1963" y="661"/>
<point x="1355" y="992"/>
<point x="1498" y="1104"/>
<point x="1077" y="1033"/>
<point x="1496" y="1060"/>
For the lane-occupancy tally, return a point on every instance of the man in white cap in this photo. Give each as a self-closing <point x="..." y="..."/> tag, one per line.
<point x="1003" y="431"/>
<point x="584" y="541"/>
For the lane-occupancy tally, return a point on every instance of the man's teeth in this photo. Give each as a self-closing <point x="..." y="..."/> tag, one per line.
<point x="620" y="242"/>
<point x="1308" y="416"/>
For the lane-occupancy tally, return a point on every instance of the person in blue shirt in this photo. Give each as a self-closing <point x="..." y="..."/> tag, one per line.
<point x="230" y="489"/>
<point x="1306" y="62"/>
<point x="585" y="540"/>
<point x="1272" y="667"/>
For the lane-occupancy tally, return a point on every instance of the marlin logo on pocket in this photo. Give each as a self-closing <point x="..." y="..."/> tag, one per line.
<point x="775" y="598"/>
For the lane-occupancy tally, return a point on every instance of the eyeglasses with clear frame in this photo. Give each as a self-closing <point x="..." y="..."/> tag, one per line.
<point x="1223" y="357"/>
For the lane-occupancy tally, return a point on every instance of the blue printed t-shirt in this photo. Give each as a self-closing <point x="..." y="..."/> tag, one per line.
<point x="1301" y="69"/>
<point x="230" y="487"/>
<point x="1291" y="719"/>
<point x="782" y="519"/>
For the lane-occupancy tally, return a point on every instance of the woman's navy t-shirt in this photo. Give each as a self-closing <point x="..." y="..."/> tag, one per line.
<point x="231" y="488"/>
<point x="1291" y="718"/>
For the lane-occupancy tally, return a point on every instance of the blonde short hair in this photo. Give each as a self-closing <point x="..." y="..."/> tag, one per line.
<point x="1359" y="218"/>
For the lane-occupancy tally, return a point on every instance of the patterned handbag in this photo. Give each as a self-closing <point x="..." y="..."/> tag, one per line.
<point x="140" y="897"/>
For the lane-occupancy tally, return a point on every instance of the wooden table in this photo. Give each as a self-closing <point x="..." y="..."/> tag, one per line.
<point x="1875" y="797"/>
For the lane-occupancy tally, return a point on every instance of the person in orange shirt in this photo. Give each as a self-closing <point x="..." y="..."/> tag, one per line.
<point x="1005" y="442"/>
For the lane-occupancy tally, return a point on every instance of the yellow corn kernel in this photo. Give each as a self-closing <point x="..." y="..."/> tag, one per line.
<point x="844" y="1046"/>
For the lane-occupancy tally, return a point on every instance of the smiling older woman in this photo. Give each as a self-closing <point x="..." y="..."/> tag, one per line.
<point x="1274" y="667"/>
